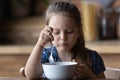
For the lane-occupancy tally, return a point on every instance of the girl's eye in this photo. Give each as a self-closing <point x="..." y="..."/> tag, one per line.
<point x="69" y="31"/>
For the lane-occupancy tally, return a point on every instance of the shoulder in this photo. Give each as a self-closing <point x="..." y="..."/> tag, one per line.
<point x="95" y="57"/>
<point x="97" y="62"/>
<point x="94" y="54"/>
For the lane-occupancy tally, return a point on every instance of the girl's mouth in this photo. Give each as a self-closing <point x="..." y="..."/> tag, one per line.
<point x="63" y="44"/>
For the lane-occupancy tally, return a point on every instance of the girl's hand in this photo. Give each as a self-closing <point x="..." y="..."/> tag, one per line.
<point x="45" y="36"/>
<point x="83" y="72"/>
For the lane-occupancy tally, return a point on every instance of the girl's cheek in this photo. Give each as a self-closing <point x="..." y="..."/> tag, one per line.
<point x="56" y="38"/>
<point x="55" y="42"/>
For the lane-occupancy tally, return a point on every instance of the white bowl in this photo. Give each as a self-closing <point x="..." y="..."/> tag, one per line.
<point x="59" y="70"/>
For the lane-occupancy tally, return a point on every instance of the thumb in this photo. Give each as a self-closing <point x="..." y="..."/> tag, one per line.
<point x="73" y="60"/>
<point x="76" y="60"/>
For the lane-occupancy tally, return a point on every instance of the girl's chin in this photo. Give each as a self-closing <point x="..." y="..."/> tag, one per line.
<point x="64" y="48"/>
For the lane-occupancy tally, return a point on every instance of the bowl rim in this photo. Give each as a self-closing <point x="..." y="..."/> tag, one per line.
<point x="71" y="63"/>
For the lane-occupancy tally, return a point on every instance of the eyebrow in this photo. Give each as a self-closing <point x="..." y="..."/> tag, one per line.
<point x="58" y="28"/>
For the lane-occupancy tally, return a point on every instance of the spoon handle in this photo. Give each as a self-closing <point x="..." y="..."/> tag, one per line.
<point x="51" y="59"/>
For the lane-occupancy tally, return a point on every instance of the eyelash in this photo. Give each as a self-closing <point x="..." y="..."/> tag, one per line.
<point x="55" y="32"/>
<point x="69" y="32"/>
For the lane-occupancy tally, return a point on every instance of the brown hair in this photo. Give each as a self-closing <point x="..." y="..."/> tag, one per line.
<point x="70" y="10"/>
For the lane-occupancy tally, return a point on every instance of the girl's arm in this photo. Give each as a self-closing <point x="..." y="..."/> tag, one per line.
<point x="84" y="72"/>
<point x="99" y="76"/>
<point x="33" y="68"/>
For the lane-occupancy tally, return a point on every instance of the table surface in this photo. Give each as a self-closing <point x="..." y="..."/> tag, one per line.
<point x="23" y="78"/>
<point x="12" y="78"/>
<point x="103" y="47"/>
<point x="17" y="78"/>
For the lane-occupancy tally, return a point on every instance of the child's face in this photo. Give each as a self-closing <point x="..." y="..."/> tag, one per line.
<point x="65" y="31"/>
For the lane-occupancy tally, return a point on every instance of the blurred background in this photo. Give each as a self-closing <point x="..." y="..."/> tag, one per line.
<point x="22" y="20"/>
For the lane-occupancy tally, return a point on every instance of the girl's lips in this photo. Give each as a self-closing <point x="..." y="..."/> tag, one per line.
<point x="63" y="44"/>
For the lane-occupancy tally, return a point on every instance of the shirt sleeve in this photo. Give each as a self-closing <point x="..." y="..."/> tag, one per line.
<point x="97" y="63"/>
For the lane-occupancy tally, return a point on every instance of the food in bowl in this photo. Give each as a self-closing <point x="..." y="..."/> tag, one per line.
<point x="59" y="70"/>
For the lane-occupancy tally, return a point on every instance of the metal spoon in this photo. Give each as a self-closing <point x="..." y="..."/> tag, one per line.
<point x="51" y="60"/>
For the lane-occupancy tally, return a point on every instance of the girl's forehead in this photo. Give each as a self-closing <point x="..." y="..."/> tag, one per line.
<point x="60" y="20"/>
<point x="63" y="28"/>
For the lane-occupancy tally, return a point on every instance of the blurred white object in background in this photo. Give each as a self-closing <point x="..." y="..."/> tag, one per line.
<point x="112" y="73"/>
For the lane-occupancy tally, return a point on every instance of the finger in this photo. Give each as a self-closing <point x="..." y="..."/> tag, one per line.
<point x="48" y="34"/>
<point x="73" y="60"/>
<point x="50" y="29"/>
<point x="46" y="38"/>
<point x="80" y="66"/>
<point x="51" y="37"/>
<point x="77" y="60"/>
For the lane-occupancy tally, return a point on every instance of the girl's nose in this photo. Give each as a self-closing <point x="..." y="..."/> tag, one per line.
<point x="63" y="36"/>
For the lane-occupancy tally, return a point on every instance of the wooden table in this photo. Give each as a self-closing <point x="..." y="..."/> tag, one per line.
<point x="103" y="47"/>
<point x="23" y="78"/>
<point x="16" y="78"/>
<point x="12" y="78"/>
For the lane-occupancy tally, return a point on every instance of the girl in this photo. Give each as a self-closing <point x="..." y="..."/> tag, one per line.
<point x="64" y="29"/>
